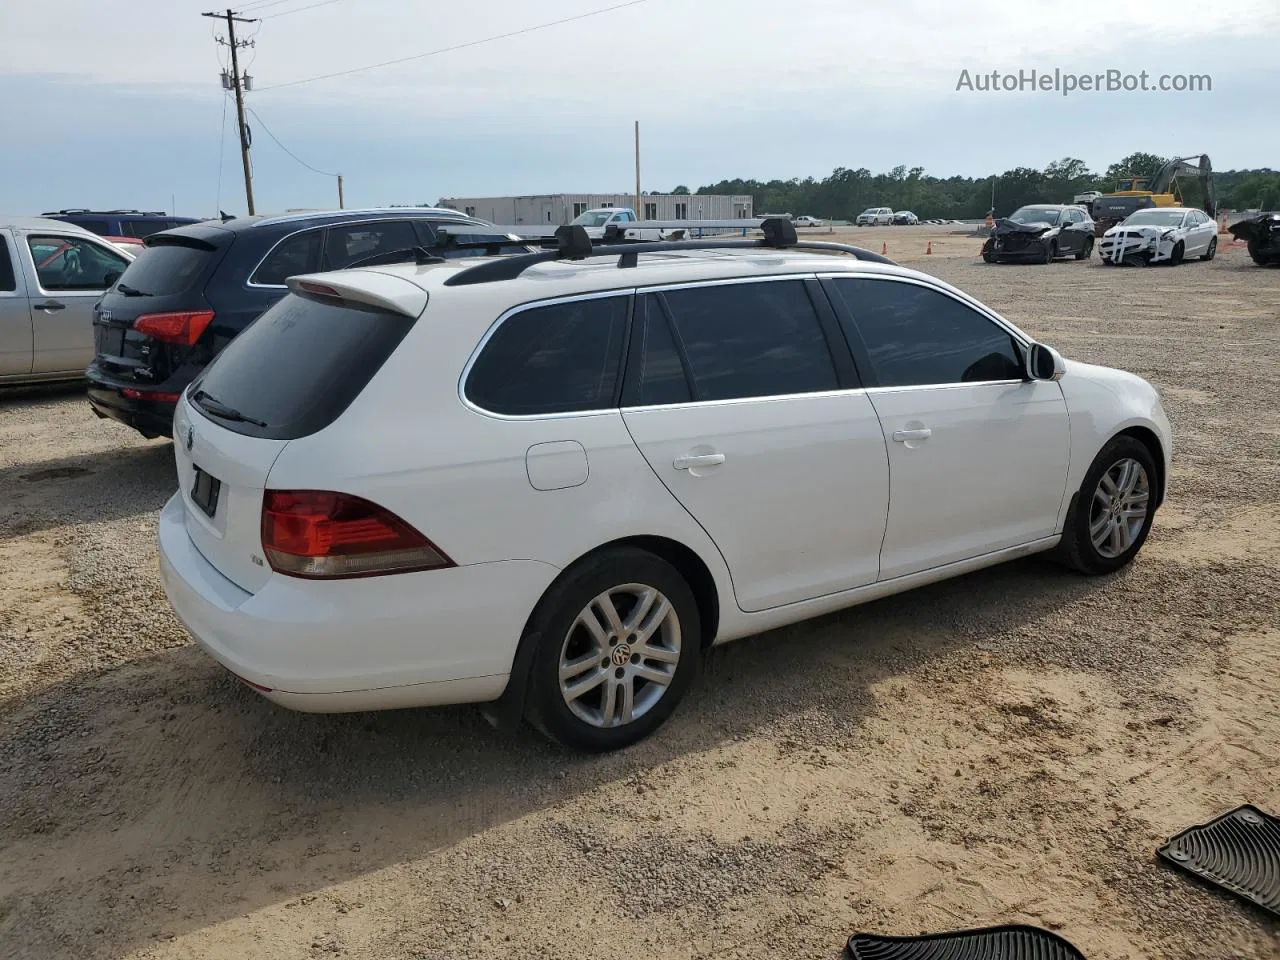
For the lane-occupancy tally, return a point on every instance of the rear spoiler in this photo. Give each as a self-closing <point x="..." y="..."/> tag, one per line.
<point x="381" y="291"/>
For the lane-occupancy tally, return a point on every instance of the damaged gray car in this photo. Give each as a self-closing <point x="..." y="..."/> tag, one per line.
<point x="1040" y="233"/>
<point x="1262" y="233"/>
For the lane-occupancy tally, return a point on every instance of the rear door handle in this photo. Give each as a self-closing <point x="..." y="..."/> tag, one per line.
<point x="903" y="436"/>
<point x="49" y="305"/>
<point x="700" y="460"/>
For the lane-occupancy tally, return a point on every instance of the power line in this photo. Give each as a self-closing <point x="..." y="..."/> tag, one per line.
<point x="312" y="6"/>
<point x="257" y="5"/>
<point x="286" y="149"/>
<point x="222" y="146"/>
<point x="459" y="46"/>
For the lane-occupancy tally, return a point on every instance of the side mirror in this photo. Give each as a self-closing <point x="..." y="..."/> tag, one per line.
<point x="1045" y="363"/>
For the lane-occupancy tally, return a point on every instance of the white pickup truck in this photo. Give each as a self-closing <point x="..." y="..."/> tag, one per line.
<point x="596" y="221"/>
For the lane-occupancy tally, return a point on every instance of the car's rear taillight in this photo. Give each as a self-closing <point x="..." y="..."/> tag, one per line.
<point x="156" y="396"/>
<point x="183" y="327"/>
<point x="318" y="534"/>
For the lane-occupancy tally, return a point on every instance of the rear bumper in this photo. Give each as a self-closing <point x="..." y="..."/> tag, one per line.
<point x="406" y="640"/>
<point x="152" y="418"/>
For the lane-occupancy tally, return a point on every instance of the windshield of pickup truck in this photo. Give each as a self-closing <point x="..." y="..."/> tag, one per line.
<point x="594" y="218"/>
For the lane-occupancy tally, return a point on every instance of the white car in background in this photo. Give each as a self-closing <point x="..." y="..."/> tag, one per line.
<point x="875" y="217"/>
<point x="1160" y="235"/>
<point x="550" y="484"/>
<point x="809" y="222"/>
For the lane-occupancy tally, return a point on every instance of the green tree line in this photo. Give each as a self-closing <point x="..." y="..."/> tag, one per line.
<point x="844" y="194"/>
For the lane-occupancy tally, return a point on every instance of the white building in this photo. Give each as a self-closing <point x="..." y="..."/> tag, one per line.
<point x="561" y="208"/>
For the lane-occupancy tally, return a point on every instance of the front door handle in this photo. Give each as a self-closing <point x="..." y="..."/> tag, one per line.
<point x="689" y="462"/>
<point x="904" y="436"/>
<point x="49" y="305"/>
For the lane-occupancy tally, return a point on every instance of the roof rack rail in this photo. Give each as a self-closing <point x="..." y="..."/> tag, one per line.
<point x="573" y="243"/>
<point x="423" y="255"/>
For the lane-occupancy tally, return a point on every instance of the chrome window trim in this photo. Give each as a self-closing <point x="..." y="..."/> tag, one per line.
<point x="503" y="318"/>
<point x="390" y="211"/>
<point x="632" y="292"/>
<point x="455" y="217"/>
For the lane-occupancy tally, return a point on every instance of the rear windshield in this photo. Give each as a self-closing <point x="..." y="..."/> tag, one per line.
<point x="168" y="269"/>
<point x="298" y="366"/>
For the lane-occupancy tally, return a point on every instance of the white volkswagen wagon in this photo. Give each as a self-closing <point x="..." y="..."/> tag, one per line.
<point x="549" y="484"/>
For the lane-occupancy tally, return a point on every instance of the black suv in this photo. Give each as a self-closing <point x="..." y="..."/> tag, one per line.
<point x="194" y="288"/>
<point x="120" y="223"/>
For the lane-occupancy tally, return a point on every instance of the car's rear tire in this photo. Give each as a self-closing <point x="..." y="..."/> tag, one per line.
<point x="1212" y="250"/>
<point x="1114" y="509"/>
<point x="619" y="635"/>
<point x="1087" y="250"/>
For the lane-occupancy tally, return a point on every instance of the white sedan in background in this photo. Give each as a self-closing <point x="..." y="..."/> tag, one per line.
<point x="809" y="222"/>
<point x="1160" y="235"/>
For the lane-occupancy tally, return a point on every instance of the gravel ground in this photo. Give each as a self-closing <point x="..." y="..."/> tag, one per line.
<point x="1007" y="747"/>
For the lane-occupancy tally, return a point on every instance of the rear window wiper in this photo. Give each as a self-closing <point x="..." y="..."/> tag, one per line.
<point x="221" y="410"/>
<point x="128" y="291"/>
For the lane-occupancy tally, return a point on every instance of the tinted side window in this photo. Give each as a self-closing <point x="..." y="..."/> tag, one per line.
<point x="298" y="254"/>
<point x="751" y="340"/>
<point x="560" y="358"/>
<point x="359" y="240"/>
<point x="100" y="227"/>
<point x="917" y="336"/>
<point x="662" y="373"/>
<point x="7" y="279"/>
<point x="143" y="228"/>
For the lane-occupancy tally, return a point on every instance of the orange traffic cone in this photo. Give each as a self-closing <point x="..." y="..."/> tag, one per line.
<point x="929" y="249"/>
<point x="884" y="249"/>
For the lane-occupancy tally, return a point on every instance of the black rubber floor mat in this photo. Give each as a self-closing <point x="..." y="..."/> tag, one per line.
<point x="993" y="943"/>
<point x="1239" y="851"/>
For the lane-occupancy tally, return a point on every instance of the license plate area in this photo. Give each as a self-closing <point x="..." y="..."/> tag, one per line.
<point x="108" y="340"/>
<point x="204" y="491"/>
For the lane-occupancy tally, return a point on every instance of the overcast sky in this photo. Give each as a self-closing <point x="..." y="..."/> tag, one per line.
<point x="117" y="103"/>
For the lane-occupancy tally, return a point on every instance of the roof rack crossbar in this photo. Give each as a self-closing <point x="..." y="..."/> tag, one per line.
<point x="776" y="238"/>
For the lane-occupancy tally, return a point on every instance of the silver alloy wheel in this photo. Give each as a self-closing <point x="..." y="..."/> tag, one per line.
<point x="1119" y="508"/>
<point x="620" y="655"/>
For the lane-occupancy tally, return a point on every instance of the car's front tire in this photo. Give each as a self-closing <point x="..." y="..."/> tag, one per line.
<point x="1179" y="251"/>
<point x="1114" y="509"/>
<point x="618" y="644"/>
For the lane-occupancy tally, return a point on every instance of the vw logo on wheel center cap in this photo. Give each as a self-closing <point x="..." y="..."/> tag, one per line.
<point x="621" y="654"/>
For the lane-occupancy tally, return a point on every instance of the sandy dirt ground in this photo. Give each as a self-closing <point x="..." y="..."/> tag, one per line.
<point x="1007" y="747"/>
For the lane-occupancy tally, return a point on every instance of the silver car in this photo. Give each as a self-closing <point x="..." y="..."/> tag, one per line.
<point x="51" y="274"/>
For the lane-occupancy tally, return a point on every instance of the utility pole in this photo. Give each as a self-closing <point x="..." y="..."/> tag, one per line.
<point x="639" y="202"/>
<point x="340" y="207"/>
<point x="237" y="85"/>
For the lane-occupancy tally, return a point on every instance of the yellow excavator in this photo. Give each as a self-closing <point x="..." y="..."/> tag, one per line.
<point x="1136" y="193"/>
